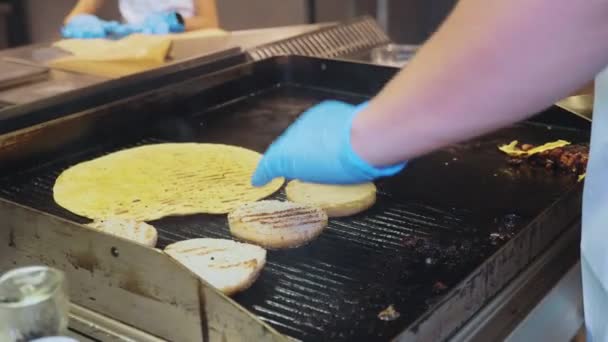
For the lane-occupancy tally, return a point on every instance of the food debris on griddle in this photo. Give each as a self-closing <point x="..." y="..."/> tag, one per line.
<point x="559" y="155"/>
<point x="496" y="238"/>
<point x="439" y="287"/>
<point x="442" y="254"/>
<point x="505" y="229"/>
<point x="389" y="314"/>
<point x="525" y="150"/>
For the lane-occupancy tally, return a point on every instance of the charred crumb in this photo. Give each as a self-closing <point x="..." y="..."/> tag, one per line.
<point x="448" y="255"/>
<point x="389" y="314"/>
<point x="508" y="222"/>
<point x="514" y="161"/>
<point x="496" y="238"/>
<point x="506" y="228"/>
<point x="412" y="241"/>
<point x="439" y="287"/>
<point x="570" y="158"/>
<point x="527" y="147"/>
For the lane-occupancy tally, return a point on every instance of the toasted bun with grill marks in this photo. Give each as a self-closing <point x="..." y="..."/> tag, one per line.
<point x="336" y="200"/>
<point x="129" y="229"/>
<point x="228" y="265"/>
<point x="275" y="224"/>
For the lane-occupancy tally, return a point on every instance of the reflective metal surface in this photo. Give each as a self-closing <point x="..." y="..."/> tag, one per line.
<point x="394" y="55"/>
<point x="59" y="82"/>
<point x="117" y="278"/>
<point x="581" y="104"/>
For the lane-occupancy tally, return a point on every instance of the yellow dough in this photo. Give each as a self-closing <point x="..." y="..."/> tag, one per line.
<point x="336" y="200"/>
<point x="113" y="58"/>
<point x="153" y="181"/>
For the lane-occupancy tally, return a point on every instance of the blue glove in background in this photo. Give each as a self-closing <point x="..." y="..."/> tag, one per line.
<point x="123" y="30"/>
<point x="87" y="26"/>
<point x="162" y="23"/>
<point x="316" y="148"/>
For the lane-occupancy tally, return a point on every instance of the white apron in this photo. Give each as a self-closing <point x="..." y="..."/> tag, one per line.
<point x="135" y="11"/>
<point x="594" y="244"/>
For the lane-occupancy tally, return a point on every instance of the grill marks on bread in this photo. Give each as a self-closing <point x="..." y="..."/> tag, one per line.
<point x="139" y="232"/>
<point x="286" y="218"/>
<point x="276" y="224"/>
<point x="228" y="265"/>
<point x="153" y="181"/>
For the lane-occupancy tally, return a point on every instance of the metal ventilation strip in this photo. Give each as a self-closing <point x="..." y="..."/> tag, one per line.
<point x="336" y="41"/>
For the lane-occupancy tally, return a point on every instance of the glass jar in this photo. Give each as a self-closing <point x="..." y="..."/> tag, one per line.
<point x="33" y="304"/>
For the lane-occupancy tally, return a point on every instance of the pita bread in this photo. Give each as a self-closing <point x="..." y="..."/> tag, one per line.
<point x="153" y="181"/>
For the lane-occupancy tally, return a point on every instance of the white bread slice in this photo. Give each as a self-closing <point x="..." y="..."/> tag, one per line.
<point x="275" y="224"/>
<point x="228" y="265"/>
<point x="140" y="232"/>
<point x="336" y="200"/>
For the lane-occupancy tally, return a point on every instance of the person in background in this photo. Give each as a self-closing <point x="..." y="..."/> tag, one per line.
<point x="140" y="16"/>
<point x="490" y="64"/>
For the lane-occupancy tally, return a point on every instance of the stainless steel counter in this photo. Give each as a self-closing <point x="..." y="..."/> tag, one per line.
<point x="59" y="82"/>
<point x="580" y="104"/>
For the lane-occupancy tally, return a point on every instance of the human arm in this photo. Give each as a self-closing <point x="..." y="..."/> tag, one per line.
<point x="206" y="16"/>
<point x="490" y="64"/>
<point x="172" y="22"/>
<point x="82" y="23"/>
<point x="84" y="7"/>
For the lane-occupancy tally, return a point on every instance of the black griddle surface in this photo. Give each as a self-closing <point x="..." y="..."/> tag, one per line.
<point x="432" y="225"/>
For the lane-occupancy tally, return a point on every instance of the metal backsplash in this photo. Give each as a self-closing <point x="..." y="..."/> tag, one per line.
<point x="341" y="40"/>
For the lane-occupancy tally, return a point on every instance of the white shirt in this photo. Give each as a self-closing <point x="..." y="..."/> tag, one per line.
<point x="594" y="242"/>
<point x="135" y="11"/>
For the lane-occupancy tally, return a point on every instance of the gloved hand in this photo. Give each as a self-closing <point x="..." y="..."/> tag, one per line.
<point x="123" y="30"/>
<point x="163" y="23"/>
<point x="316" y="148"/>
<point x="87" y="26"/>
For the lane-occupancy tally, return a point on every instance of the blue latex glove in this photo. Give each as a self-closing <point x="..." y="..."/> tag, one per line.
<point x="87" y="26"/>
<point x="123" y="30"/>
<point x="316" y="148"/>
<point x="163" y="23"/>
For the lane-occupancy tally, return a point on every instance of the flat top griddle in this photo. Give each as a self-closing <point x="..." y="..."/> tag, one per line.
<point x="433" y="225"/>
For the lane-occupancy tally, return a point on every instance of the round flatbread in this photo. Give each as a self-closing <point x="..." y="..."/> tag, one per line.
<point x="336" y="200"/>
<point x="153" y="181"/>
<point x="228" y="265"/>
<point x="140" y="232"/>
<point x="275" y="224"/>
